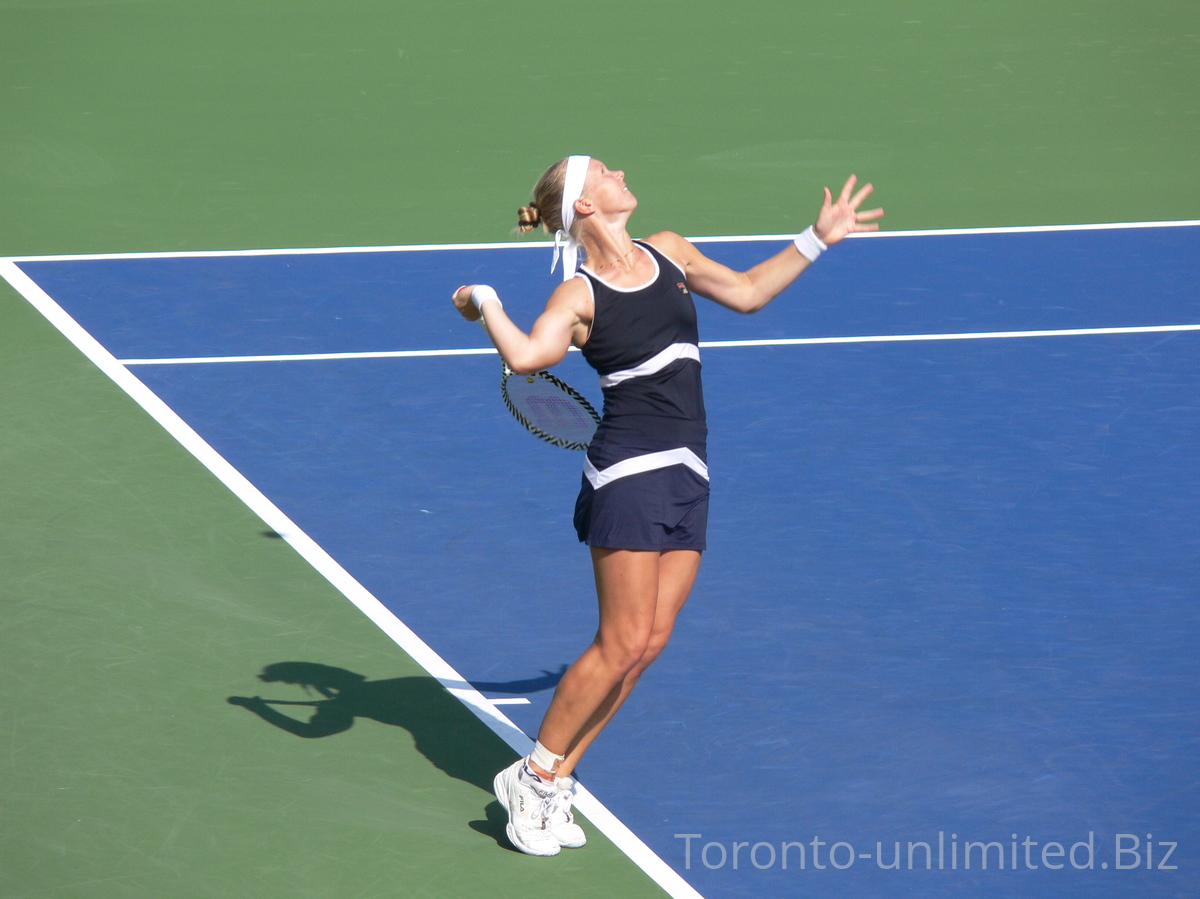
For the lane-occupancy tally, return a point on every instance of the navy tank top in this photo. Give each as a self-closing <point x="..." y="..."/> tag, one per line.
<point x="644" y="345"/>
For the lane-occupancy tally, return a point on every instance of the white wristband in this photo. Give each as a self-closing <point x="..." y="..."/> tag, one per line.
<point x="482" y="293"/>
<point x="809" y="245"/>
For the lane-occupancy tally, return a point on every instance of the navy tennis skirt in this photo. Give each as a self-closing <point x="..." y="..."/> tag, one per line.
<point x="666" y="508"/>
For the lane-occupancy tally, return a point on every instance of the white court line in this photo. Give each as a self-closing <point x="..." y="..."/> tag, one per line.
<point x="604" y="820"/>
<point x="311" y="357"/>
<point x="939" y="232"/>
<point x="970" y="335"/>
<point x="542" y="245"/>
<point x="717" y="344"/>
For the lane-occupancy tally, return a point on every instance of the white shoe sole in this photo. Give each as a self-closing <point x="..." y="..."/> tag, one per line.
<point x="574" y="843"/>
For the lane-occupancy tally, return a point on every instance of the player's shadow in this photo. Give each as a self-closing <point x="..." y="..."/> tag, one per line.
<point x="443" y="730"/>
<point x="546" y="681"/>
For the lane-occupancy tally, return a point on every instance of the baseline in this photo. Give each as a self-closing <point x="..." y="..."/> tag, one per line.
<point x="542" y="244"/>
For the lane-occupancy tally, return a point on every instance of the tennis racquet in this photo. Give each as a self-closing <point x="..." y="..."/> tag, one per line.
<point x="549" y="408"/>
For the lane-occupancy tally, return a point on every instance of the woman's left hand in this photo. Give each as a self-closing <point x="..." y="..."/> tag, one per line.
<point x="836" y="220"/>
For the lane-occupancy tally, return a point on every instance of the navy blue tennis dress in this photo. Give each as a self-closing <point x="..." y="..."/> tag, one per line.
<point x="645" y="478"/>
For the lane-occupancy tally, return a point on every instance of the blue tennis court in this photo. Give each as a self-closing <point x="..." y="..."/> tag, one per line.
<point x="945" y="640"/>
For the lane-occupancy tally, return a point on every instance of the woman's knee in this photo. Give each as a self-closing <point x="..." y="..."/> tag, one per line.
<point x="624" y="651"/>
<point x="654" y="648"/>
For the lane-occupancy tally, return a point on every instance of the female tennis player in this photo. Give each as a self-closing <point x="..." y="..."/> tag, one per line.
<point x="643" y="504"/>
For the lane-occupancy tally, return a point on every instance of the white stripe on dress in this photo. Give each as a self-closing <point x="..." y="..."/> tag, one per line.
<point x="648" y="462"/>
<point x="655" y="363"/>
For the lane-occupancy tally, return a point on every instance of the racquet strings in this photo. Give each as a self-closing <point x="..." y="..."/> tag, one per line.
<point x="551" y="409"/>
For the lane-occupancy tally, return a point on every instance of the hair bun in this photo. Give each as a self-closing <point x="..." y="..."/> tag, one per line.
<point x="528" y="218"/>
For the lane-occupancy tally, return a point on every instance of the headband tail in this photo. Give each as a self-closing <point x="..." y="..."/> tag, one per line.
<point x="570" y="260"/>
<point x="573" y="181"/>
<point x="558" y="236"/>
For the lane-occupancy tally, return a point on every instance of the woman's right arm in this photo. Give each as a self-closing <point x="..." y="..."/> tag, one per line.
<point x="564" y="322"/>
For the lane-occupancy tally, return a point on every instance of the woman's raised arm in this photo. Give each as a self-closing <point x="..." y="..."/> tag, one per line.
<point x="750" y="290"/>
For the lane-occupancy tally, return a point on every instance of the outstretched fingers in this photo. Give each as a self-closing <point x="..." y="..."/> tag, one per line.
<point x="840" y="218"/>
<point x="862" y="194"/>
<point x="855" y="201"/>
<point x="844" y="196"/>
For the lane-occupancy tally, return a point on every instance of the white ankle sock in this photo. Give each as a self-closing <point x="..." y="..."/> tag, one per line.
<point x="544" y="758"/>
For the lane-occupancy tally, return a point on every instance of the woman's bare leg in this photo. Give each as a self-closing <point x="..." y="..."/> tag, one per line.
<point x="640" y="594"/>
<point x="677" y="572"/>
<point x="627" y="590"/>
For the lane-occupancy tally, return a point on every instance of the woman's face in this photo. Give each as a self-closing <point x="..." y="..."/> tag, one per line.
<point x="606" y="189"/>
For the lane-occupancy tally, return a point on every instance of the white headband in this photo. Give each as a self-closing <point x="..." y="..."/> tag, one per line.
<point x="577" y="169"/>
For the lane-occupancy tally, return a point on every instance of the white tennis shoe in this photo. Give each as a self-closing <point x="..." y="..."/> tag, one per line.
<point x="529" y="812"/>
<point x="559" y="819"/>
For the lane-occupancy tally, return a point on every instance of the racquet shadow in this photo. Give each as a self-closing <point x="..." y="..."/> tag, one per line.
<point x="443" y="730"/>
<point x="546" y="681"/>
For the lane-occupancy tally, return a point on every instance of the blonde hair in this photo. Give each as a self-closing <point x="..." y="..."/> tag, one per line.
<point x="545" y="209"/>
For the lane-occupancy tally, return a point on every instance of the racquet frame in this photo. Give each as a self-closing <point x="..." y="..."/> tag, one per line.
<point x="506" y="372"/>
